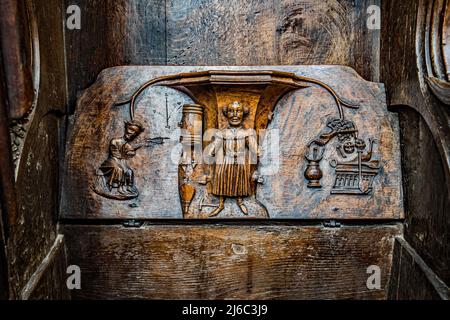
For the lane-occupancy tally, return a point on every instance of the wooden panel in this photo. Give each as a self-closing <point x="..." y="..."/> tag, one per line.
<point x="301" y="114"/>
<point x="206" y="32"/>
<point x="404" y="69"/>
<point x="7" y="194"/>
<point x="15" y="44"/>
<point x="241" y="32"/>
<point x="49" y="280"/>
<point x="113" y="33"/>
<point x="37" y="174"/>
<point x="426" y="195"/>
<point x="411" y="278"/>
<point x="4" y="287"/>
<point x="37" y="194"/>
<point x="425" y="135"/>
<point x="230" y="261"/>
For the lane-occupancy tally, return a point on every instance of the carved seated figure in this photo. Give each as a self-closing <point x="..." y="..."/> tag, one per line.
<point x="115" y="179"/>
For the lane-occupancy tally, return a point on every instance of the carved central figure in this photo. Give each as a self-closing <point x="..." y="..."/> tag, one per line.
<point x="236" y="154"/>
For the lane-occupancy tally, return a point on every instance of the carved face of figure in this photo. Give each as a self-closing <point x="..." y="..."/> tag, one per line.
<point x="131" y="132"/>
<point x="235" y="114"/>
<point x="349" y="147"/>
<point x="360" y="144"/>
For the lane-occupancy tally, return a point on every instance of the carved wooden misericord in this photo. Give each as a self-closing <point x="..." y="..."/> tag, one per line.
<point x="233" y="142"/>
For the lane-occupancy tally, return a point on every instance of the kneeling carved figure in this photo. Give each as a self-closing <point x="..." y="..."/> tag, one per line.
<point x="114" y="178"/>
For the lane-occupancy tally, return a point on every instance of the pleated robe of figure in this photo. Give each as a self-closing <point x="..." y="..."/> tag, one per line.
<point x="235" y="152"/>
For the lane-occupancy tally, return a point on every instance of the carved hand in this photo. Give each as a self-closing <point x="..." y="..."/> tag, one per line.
<point x="157" y="140"/>
<point x="257" y="177"/>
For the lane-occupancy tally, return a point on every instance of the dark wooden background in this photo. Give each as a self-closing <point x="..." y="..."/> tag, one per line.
<point x="235" y="32"/>
<point x="215" y="32"/>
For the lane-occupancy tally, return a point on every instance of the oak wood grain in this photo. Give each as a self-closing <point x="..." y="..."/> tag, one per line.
<point x="411" y="278"/>
<point x="212" y="32"/>
<point x="229" y="261"/>
<point x="113" y="33"/>
<point x="242" y="32"/>
<point x="37" y="181"/>
<point x="47" y="282"/>
<point x="425" y="132"/>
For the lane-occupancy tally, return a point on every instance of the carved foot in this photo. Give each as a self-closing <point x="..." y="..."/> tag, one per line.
<point x="131" y="189"/>
<point x="242" y="206"/>
<point x="216" y="211"/>
<point x="121" y="190"/>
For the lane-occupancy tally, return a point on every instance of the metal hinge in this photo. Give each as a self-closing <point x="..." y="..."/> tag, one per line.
<point x="132" y="223"/>
<point x="331" y="224"/>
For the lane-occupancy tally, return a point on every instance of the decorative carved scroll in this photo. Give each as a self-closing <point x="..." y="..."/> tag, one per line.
<point x="440" y="88"/>
<point x="437" y="50"/>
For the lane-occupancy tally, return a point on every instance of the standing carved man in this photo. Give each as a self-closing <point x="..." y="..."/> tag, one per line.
<point x="236" y="153"/>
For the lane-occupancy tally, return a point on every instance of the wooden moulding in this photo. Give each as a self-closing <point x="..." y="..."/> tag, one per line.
<point x="437" y="53"/>
<point x="49" y="279"/>
<point x="412" y="278"/>
<point x="312" y="119"/>
<point x="16" y="46"/>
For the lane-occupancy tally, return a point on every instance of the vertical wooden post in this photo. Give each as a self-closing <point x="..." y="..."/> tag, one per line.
<point x="7" y="192"/>
<point x="4" y="285"/>
<point x="15" y="42"/>
<point x="7" y="188"/>
<point x="16" y="93"/>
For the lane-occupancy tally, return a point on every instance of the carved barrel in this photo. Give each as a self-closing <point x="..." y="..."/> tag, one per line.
<point x="192" y="132"/>
<point x="191" y="139"/>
